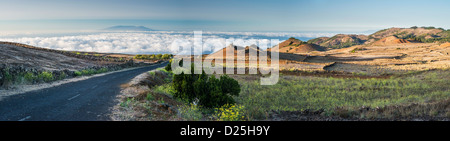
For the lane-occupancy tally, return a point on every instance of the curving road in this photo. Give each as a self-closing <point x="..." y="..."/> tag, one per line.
<point x="86" y="100"/>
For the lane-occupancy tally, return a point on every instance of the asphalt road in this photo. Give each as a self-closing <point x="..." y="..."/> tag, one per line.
<point x="86" y="100"/>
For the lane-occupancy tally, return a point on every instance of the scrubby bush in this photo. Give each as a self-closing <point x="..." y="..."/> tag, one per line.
<point x="102" y="70"/>
<point x="166" y="89"/>
<point x="191" y="112"/>
<point x="62" y="76"/>
<point x="208" y="91"/>
<point x="88" y="71"/>
<point x="153" y="56"/>
<point x="166" y="56"/>
<point x="45" y="76"/>
<point x="158" y="56"/>
<point x="6" y="76"/>
<point x="169" y="66"/>
<point x="30" y="77"/>
<point x="78" y="73"/>
<point x="150" y="97"/>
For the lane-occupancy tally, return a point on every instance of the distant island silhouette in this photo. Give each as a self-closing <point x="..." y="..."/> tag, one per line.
<point x="128" y="28"/>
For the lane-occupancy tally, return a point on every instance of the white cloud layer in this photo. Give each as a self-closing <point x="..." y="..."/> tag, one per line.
<point x="150" y="42"/>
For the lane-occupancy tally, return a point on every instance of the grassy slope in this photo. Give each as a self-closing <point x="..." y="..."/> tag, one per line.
<point x="319" y="93"/>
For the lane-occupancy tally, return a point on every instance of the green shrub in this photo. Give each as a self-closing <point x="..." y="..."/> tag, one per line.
<point x="78" y="73"/>
<point x="127" y="103"/>
<point x="102" y="70"/>
<point x="190" y="112"/>
<point x="90" y="71"/>
<point x="164" y="89"/>
<point x="209" y="91"/>
<point x="161" y="101"/>
<point x="62" y="76"/>
<point x="166" y="56"/>
<point x="169" y="66"/>
<point x="153" y="56"/>
<point x="6" y="76"/>
<point x="86" y="72"/>
<point x="45" y="76"/>
<point x="30" y="77"/>
<point x="150" y="97"/>
<point x="158" y="56"/>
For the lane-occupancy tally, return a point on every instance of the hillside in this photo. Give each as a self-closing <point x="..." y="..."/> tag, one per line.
<point x="293" y="45"/>
<point x="24" y="64"/>
<point x="318" y="41"/>
<point x="404" y="35"/>
<point x="221" y="54"/>
<point x="391" y="40"/>
<point x="339" y="41"/>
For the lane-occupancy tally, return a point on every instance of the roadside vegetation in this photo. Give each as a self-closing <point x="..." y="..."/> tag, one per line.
<point x="90" y="71"/>
<point x="12" y="78"/>
<point x="185" y="97"/>
<point x="153" y="56"/>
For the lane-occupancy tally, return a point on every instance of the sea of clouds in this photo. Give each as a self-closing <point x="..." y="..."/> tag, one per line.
<point x="149" y="42"/>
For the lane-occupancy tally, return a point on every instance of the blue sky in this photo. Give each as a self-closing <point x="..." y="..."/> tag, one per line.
<point x="223" y="15"/>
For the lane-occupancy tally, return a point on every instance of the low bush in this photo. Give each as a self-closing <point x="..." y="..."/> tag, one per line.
<point x="62" y="76"/>
<point x="90" y="71"/>
<point x="102" y="70"/>
<point x="169" y="66"/>
<point x="210" y="92"/>
<point x="7" y="77"/>
<point x="150" y="97"/>
<point x="153" y="56"/>
<point x="78" y="73"/>
<point x="191" y="112"/>
<point x="30" y="77"/>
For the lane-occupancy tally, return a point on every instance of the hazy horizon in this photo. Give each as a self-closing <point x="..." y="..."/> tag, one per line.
<point x="229" y="15"/>
<point x="82" y="25"/>
<point x="76" y="25"/>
